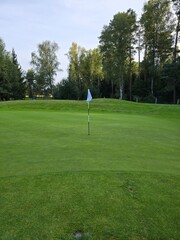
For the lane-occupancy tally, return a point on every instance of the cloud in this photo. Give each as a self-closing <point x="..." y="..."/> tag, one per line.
<point x="24" y="24"/>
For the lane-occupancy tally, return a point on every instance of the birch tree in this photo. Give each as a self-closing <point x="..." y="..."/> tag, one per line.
<point x="45" y="65"/>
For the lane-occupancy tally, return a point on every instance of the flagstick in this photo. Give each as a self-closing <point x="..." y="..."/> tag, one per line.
<point x="89" y="98"/>
<point x="88" y="121"/>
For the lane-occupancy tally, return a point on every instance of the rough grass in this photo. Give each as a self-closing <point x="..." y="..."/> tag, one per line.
<point x="121" y="182"/>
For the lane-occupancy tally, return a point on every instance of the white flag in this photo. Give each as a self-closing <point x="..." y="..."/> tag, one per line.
<point x="89" y="96"/>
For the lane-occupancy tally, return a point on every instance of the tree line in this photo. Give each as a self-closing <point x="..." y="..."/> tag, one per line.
<point x="137" y="60"/>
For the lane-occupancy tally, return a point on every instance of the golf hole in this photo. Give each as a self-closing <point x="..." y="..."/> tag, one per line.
<point x="78" y="234"/>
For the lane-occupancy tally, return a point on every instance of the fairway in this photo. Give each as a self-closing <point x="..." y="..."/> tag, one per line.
<point x="121" y="182"/>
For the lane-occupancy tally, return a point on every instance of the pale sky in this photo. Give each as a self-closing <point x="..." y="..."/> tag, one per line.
<point x="26" y="23"/>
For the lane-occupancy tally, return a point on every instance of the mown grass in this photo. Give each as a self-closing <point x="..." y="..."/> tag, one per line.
<point x="121" y="182"/>
<point x="99" y="105"/>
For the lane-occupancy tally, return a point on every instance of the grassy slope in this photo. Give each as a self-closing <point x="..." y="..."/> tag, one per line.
<point x="98" y="105"/>
<point x="119" y="183"/>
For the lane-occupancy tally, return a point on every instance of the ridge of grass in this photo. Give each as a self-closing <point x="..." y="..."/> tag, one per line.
<point x="97" y="105"/>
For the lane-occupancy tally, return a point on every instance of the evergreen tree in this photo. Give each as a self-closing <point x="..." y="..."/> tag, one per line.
<point x="4" y="85"/>
<point x="12" y="84"/>
<point x="171" y="81"/>
<point x="31" y="83"/>
<point x="18" y="86"/>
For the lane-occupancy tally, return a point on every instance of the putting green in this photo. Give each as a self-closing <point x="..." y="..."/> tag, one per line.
<point x="121" y="182"/>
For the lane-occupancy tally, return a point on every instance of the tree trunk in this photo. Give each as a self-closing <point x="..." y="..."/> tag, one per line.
<point x="152" y="86"/>
<point x="120" y="92"/>
<point x="130" y="86"/>
<point x="139" y="65"/>
<point x="121" y="86"/>
<point x="130" y="77"/>
<point x="98" y="88"/>
<point x="174" y="92"/>
<point x="112" y="89"/>
<point x="176" y="40"/>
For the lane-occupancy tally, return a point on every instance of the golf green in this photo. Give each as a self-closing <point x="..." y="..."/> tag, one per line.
<point x="119" y="182"/>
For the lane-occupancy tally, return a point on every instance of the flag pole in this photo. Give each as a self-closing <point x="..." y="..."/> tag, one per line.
<point x="88" y="120"/>
<point x="89" y="98"/>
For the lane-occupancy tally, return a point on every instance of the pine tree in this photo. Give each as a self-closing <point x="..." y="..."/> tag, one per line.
<point x="18" y="85"/>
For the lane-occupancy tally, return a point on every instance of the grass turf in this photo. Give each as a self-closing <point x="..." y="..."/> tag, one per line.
<point x="121" y="182"/>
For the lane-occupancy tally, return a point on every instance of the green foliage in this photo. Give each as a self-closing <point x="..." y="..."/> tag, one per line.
<point x="12" y="84"/>
<point x="85" y="70"/>
<point x="18" y="82"/>
<point x="176" y="6"/>
<point x="171" y="80"/>
<point x="31" y="84"/>
<point x="158" y="28"/>
<point x="116" y="44"/>
<point x="66" y="89"/>
<point x="45" y="65"/>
